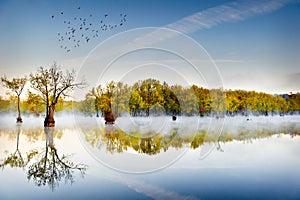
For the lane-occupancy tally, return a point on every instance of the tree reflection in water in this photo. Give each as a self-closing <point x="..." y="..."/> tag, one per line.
<point x="15" y="159"/>
<point x="46" y="167"/>
<point x="117" y="141"/>
<point x="51" y="168"/>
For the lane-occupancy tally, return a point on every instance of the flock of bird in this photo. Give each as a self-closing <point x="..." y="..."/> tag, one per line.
<point x="83" y="29"/>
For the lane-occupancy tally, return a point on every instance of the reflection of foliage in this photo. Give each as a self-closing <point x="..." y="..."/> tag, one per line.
<point x="15" y="159"/>
<point x="50" y="169"/>
<point x="198" y="140"/>
<point x="116" y="140"/>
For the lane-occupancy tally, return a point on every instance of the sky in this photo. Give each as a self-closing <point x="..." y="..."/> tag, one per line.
<point x="250" y="45"/>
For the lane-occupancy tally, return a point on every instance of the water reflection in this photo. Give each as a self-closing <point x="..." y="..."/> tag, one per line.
<point x="46" y="163"/>
<point x="115" y="140"/>
<point x="45" y="166"/>
<point x="138" y="151"/>
<point x="15" y="158"/>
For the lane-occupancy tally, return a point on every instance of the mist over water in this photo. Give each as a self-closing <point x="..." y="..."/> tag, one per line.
<point x="164" y="124"/>
<point x="178" y="162"/>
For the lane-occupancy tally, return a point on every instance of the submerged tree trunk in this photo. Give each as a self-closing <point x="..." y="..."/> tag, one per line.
<point x="49" y="120"/>
<point x="19" y="119"/>
<point x="109" y="117"/>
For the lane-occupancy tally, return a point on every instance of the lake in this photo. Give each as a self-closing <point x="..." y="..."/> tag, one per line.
<point x="150" y="158"/>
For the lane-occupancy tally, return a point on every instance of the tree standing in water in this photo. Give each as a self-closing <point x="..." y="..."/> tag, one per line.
<point x="16" y="85"/>
<point x="51" y="84"/>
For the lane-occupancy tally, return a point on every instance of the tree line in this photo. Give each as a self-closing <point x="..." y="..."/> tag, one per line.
<point x="50" y="86"/>
<point x="150" y="96"/>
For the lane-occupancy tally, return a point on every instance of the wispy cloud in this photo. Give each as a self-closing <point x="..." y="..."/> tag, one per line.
<point x="226" y="13"/>
<point x="140" y="186"/>
<point x="230" y="12"/>
<point x="152" y="191"/>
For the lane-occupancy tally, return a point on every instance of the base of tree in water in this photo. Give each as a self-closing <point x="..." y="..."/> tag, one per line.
<point x="174" y="117"/>
<point x="109" y="118"/>
<point x="19" y="120"/>
<point x="49" y="122"/>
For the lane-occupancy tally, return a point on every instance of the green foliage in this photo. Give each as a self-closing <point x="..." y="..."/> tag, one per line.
<point x="16" y="85"/>
<point x="33" y="103"/>
<point x="151" y="95"/>
<point x="147" y="96"/>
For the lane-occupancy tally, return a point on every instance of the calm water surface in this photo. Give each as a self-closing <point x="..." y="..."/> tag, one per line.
<point x="257" y="158"/>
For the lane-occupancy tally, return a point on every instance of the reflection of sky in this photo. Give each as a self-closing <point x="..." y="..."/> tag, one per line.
<point x="256" y="169"/>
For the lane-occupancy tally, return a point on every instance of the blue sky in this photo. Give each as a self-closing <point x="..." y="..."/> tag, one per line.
<point x="254" y="44"/>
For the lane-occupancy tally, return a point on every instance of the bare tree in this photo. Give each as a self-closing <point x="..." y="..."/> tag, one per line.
<point x="51" y="84"/>
<point x="16" y="85"/>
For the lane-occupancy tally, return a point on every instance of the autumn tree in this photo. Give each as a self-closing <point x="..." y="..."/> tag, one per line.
<point x="149" y="90"/>
<point x="16" y="85"/>
<point x="218" y="99"/>
<point x="203" y="98"/>
<point x="51" y="84"/>
<point x="95" y="94"/>
<point x="34" y="103"/>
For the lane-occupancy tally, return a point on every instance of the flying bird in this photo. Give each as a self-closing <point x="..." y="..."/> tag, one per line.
<point x="85" y="29"/>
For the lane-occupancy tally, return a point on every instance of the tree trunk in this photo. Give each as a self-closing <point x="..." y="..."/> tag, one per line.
<point x="49" y="120"/>
<point x="109" y="117"/>
<point x="19" y="119"/>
